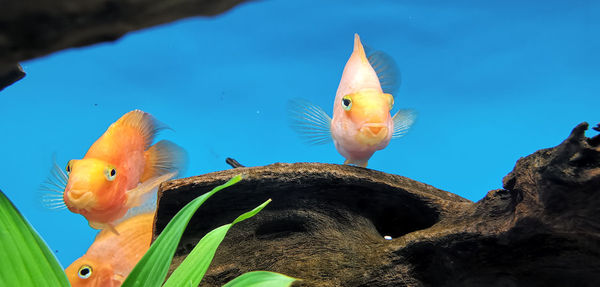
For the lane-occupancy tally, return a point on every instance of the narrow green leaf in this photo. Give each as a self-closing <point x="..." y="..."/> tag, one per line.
<point x="25" y="259"/>
<point x="251" y="213"/>
<point x="191" y="271"/>
<point x="261" y="279"/>
<point x="152" y="269"/>
<point x="197" y="262"/>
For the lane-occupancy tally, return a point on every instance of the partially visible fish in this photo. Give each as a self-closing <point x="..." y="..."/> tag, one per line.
<point x="111" y="257"/>
<point x="118" y="172"/>
<point x="362" y="123"/>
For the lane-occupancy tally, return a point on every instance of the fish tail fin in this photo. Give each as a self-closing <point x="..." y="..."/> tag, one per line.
<point x="403" y="120"/>
<point x="144" y="122"/>
<point x="164" y="157"/>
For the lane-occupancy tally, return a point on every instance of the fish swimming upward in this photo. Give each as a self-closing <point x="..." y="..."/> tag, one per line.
<point x="118" y="172"/>
<point x="111" y="257"/>
<point x="362" y="123"/>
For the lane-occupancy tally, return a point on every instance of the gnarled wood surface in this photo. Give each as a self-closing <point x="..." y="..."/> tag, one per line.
<point x="327" y="224"/>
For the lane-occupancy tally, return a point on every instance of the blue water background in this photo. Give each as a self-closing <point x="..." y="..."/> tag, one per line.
<point x="490" y="82"/>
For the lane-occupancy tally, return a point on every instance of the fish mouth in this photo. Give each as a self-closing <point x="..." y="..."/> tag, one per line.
<point x="374" y="129"/>
<point x="372" y="134"/>
<point x="78" y="199"/>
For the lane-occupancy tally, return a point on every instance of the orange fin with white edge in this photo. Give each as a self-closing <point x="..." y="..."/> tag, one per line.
<point x="163" y="157"/>
<point x="137" y="195"/>
<point x="144" y="122"/>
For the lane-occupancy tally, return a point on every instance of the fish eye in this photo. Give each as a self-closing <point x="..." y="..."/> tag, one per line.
<point x="84" y="272"/>
<point x="68" y="168"/>
<point x="346" y="103"/>
<point x="391" y="101"/>
<point x="110" y="173"/>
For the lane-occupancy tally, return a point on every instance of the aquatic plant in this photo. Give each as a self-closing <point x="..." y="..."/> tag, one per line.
<point x="27" y="260"/>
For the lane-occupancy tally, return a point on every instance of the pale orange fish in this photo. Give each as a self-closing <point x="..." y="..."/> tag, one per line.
<point x="119" y="170"/>
<point x="111" y="257"/>
<point x="362" y="122"/>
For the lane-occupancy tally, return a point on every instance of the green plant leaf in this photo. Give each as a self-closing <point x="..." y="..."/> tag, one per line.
<point x="191" y="271"/>
<point x="261" y="279"/>
<point x="25" y="259"/>
<point x="152" y="269"/>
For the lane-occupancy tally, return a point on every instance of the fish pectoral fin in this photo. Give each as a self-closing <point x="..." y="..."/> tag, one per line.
<point x="403" y="120"/>
<point x="310" y="121"/>
<point x="53" y="189"/>
<point x="148" y="206"/>
<point x="112" y="229"/>
<point x="135" y="195"/>
<point x="103" y="227"/>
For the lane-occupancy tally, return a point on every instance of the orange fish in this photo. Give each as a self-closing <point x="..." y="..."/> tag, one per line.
<point x="111" y="257"/>
<point x="119" y="170"/>
<point x="362" y="122"/>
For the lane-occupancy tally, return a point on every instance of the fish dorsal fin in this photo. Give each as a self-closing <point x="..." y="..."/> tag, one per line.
<point x="358" y="73"/>
<point x="403" y="120"/>
<point x="386" y="69"/>
<point x="310" y="121"/>
<point x="358" y="49"/>
<point x="164" y="157"/>
<point x="145" y="123"/>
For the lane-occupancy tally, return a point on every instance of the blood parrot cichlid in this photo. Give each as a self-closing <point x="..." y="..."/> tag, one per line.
<point x="362" y="122"/>
<point x="111" y="257"/>
<point x="118" y="172"/>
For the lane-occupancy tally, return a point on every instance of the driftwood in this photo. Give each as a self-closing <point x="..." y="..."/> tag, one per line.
<point x="34" y="28"/>
<point x="327" y="224"/>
